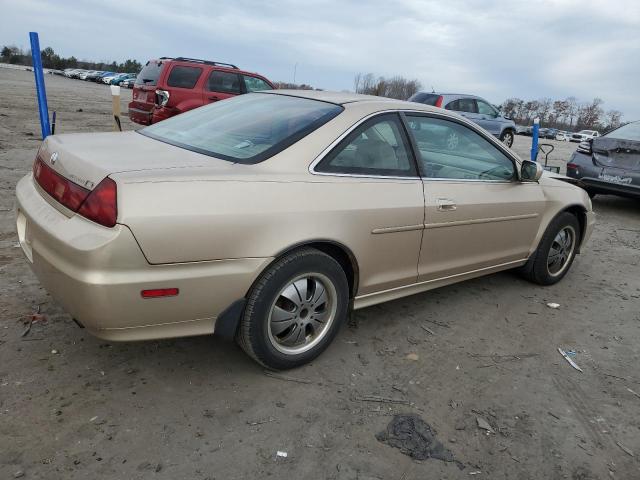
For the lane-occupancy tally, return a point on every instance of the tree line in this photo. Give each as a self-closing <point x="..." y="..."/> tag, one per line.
<point x="568" y="114"/>
<point x="50" y="59"/>
<point x="395" y="87"/>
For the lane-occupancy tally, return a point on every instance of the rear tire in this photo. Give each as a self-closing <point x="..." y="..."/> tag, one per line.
<point x="294" y="310"/>
<point x="557" y="249"/>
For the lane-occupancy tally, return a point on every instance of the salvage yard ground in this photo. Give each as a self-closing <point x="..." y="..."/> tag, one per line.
<point x="477" y="361"/>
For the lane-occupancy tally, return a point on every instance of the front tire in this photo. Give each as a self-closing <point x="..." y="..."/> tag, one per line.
<point x="294" y="310"/>
<point x="555" y="254"/>
<point x="507" y="138"/>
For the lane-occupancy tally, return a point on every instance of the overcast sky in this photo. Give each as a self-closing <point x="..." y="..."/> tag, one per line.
<point x="495" y="49"/>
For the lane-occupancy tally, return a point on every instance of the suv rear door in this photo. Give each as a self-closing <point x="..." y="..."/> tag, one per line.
<point x="465" y="107"/>
<point x="141" y="107"/>
<point x="221" y="84"/>
<point x="488" y="117"/>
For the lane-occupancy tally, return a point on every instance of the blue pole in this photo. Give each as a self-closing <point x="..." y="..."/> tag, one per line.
<point x="40" y="89"/>
<point x="534" y="139"/>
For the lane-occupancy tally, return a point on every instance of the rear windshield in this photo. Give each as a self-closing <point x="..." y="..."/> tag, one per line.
<point x="630" y="131"/>
<point x="149" y="74"/>
<point x="426" y="98"/>
<point x="245" y="129"/>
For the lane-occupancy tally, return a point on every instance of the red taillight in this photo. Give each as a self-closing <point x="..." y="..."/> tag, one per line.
<point x="573" y="166"/>
<point x="64" y="191"/>
<point x="101" y="205"/>
<point x="98" y="205"/>
<point x="160" y="292"/>
<point x="439" y="101"/>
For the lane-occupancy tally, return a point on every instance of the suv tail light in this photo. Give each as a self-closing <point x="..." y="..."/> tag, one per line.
<point x="98" y="205"/>
<point x="162" y="97"/>
<point x="439" y="101"/>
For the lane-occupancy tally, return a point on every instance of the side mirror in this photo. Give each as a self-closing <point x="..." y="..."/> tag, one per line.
<point x="530" y="171"/>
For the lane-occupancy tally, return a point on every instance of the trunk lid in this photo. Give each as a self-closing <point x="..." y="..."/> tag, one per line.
<point x="615" y="153"/>
<point x="87" y="158"/>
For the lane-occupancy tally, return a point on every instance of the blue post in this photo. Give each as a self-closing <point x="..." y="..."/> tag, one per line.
<point x="534" y="139"/>
<point x="40" y="90"/>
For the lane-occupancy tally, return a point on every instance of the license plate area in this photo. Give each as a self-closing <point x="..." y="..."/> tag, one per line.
<point x="24" y="235"/>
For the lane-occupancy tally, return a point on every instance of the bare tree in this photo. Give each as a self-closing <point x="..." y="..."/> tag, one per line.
<point x="544" y="108"/>
<point x="395" y="87"/>
<point x="614" y="119"/>
<point x="572" y="109"/>
<point x="589" y="114"/>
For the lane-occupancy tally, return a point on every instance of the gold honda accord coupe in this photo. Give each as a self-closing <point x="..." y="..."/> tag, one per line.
<point x="267" y="217"/>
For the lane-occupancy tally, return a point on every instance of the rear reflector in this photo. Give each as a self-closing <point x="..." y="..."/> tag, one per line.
<point x="160" y="292"/>
<point x="572" y="165"/>
<point x="98" y="205"/>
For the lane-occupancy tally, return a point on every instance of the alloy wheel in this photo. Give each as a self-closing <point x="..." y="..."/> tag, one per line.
<point x="561" y="251"/>
<point x="302" y="313"/>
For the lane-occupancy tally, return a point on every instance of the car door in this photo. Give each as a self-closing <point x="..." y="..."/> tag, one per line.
<point x="376" y="195"/>
<point x="465" y="107"/>
<point x="488" y="117"/>
<point x="477" y="214"/>
<point x="221" y="84"/>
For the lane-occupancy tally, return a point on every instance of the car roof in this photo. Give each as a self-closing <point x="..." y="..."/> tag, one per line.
<point x="342" y="98"/>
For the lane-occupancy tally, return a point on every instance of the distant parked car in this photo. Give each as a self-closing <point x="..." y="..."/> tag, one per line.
<point x="521" y="129"/>
<point x="549" y="133"/>
<point x="476" y="109"/>
<point x="128" y="83"/>
<point x="563" y="136"/>
<point x="170" y="86"/>
<point x="609" y="163"/>
<point x="85" y="74"/>
<point x="99" y="78"/>
<point x="122" y="77"/>
<point x="583" y="135"/>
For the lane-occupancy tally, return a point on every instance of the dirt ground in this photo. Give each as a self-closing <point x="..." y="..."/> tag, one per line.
<point x="75" y="407"/>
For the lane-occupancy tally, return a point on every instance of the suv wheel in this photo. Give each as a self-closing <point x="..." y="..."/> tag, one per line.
<point x="294" y="310"/>
<point x="507" y="138"/>
<point x="555" y="253"/>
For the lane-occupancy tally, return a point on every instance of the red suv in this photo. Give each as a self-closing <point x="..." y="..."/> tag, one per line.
<point x="169" y="86"/>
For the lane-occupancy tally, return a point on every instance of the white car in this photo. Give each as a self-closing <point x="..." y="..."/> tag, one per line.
<point x="583" y="135"/>
<point x="563" y="136"/>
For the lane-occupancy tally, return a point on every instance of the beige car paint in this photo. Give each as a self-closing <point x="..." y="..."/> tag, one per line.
<point x="210" y="227"/>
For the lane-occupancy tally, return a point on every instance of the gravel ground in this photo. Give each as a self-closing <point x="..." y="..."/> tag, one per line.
<point x="478" y="354"/>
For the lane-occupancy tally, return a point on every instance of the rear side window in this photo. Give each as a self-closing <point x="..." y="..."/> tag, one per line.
<point x="462" y="105"/>
<point x="376" y="148"/>
<point x="184" y="77"/>
<point x="254" y="84"/>
<point x="224" y="82"/>
<point x="426" y="98"/>
<point x="149" y="74"/>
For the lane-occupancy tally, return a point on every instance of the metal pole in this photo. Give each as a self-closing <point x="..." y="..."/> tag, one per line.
<point x="40" y="89"/>
<point x="534" y="139"/>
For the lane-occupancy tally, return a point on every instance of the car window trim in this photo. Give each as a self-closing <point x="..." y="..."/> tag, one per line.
<point x="515" y="162"/>
<point x="337" y="143"/>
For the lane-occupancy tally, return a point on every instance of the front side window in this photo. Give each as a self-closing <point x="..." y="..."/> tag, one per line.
<point x="244" y="129"/>
<point x="463" y="105"/>
<point x="224" y="82"/>
<point x="449" y="150"/>
<point x="485" y="109"/>
<point x="255" y="84"/>
<point x="378" y="147"/>
<point x="184" y="77"/>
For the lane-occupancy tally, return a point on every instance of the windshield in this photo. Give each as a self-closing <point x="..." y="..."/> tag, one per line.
<point x="246" y="129"/>
<point x="149" y="74"/>
<point x="426" y="98"/>
<point x="630" y="131"/>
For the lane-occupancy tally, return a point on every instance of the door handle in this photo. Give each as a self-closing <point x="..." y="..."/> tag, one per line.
<point x="446" y="204"/>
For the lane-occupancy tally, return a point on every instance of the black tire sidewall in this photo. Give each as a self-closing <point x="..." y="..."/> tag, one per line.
<point x="541" y="272"/>
<point x="504" y="135"/>
<point x="256" y="321"/>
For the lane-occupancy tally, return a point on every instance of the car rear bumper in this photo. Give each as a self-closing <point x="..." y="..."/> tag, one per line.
<point x="143" y="117"/>
<point x="97" y="274"/>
